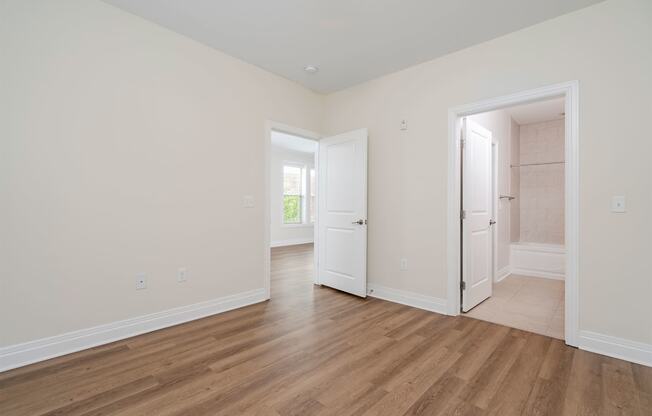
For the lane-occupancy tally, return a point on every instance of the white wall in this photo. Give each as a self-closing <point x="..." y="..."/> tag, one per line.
<point x="541" y="187"/>
<point x="126" y="148"/>
<point x="499" y="123"/>
<point x="608" y="48"/>
<point x="282" y="234"/>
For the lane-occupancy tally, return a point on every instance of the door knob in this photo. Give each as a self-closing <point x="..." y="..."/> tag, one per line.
<point x="359" y="222"/>
<point x="492" y="222"/>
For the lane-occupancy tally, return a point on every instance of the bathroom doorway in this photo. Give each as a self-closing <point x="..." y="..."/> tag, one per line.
<point x="517" y="235"/>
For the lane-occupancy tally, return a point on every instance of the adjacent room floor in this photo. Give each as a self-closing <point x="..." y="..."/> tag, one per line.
<point x="528" y="303"/>
<point x="316" y="351"/>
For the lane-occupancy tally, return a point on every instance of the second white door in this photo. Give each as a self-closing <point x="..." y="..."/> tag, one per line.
<point x="477" y="223"/>
<point x="342" y="213"/>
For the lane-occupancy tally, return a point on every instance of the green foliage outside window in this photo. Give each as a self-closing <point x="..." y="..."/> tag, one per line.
<point x="292" y="209"/>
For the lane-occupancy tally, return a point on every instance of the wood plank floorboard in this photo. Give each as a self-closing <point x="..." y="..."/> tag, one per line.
<point x="316" y="351"/>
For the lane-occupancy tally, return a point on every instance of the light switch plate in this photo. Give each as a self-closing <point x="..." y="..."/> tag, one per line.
<point x="141" y="281"/>
<point x="248" y="201"/>
<point x="182" y="274"/>
<point x="618" y="204"/>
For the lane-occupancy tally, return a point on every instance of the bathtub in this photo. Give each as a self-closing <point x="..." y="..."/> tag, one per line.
<point x="538" y="260"/>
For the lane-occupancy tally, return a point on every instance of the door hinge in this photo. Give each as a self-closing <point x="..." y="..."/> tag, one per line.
<point x="462" y="143"/>
<point x="463" y="285"/>
<point x="463" y="214"/>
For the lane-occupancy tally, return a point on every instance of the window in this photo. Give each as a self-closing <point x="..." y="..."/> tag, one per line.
<point x="293" y="194"/>
<point x="299" y="190"/>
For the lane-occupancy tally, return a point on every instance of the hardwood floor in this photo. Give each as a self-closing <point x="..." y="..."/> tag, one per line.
<point x="316" y="351"/>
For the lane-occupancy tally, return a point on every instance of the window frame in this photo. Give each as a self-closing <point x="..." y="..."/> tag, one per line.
<point x="310" y="193"/>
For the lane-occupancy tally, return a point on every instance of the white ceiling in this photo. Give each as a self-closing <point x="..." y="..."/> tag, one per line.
<point x="294" y="143"/>
<point x="538" y="112"/>
<point x="351" y="41"/>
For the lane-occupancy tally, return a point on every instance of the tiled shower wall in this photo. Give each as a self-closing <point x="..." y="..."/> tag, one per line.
<point x="541" y="189"/>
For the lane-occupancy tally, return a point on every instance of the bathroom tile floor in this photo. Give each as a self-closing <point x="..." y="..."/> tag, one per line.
<point x="528" y="303"/>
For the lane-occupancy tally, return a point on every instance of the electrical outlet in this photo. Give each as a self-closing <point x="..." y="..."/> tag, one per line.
<point x="403" y="124"/>
<point x="141" y="281"/>
<point x="182" y="274"/>
<point x="404" y="265"/>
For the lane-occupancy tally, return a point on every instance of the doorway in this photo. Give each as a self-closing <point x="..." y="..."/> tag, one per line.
<point x="488" y="265"/>
<point x="526" y="289"/>
<point x="293" y="199"/>
<point x="297" y="149"/>
<point x="316" y="193"/>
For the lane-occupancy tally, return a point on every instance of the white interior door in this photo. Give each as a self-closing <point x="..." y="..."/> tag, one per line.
<point x="477" y="240"/>
<point x="342" y="213"/>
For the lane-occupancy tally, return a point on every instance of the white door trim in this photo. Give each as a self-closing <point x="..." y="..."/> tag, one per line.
<point x="494" y="208"/>
<point x="306" y="134"/>
<point x="570" y="91"/>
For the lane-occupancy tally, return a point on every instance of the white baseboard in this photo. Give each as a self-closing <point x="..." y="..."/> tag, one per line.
<point x="403" y="297"/>
<point x="291" y="242"/>
<point x="624" y="349"/>
<point x="537" y="273"/>
<point x="503" y="273"/>
<point x="30" y="352"/>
